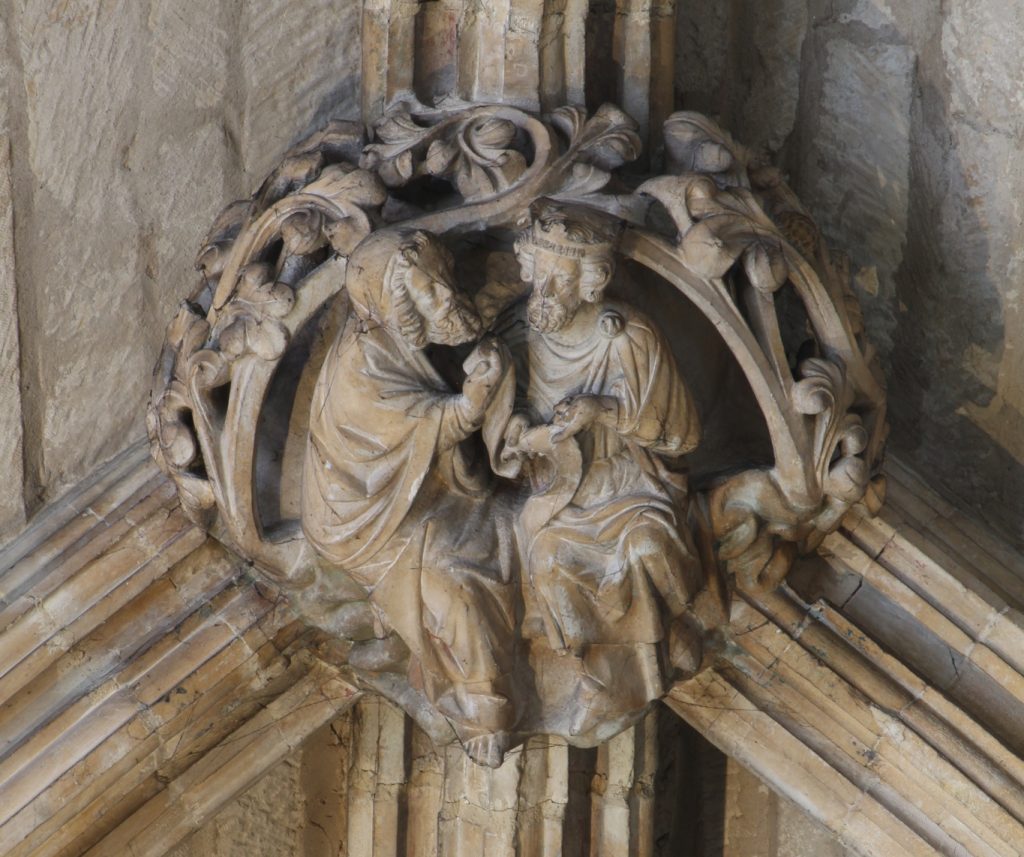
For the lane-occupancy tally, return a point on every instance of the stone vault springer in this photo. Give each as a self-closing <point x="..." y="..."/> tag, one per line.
<point x="509" y="421"/>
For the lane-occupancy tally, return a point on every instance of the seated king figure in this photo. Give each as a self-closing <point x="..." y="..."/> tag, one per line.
<point x="609" y="574"/>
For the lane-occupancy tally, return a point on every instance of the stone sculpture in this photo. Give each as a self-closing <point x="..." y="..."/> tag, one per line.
<point x="494" y="492"/>
<point x="389" y="494"/>
<point x="603" y="413"/>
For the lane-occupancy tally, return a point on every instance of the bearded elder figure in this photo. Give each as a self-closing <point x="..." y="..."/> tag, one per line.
<point x="611" y="569"/>
<point x="389" y="491"/>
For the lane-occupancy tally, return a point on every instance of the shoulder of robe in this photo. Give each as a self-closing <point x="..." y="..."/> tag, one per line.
<point x="611" y="323"/>
<point x="617" y="317"/>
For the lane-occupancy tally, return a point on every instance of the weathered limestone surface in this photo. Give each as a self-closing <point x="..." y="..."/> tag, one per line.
<point x="137" y="667"/>
<point x="265" y="821"/>
<point x="760" y="823"/>
<point x="146" y="681"/>
<point x="131" y="124"/>
<point x="299" y="66"/>
<point x="12" y="503"/>
<point x="286" y="811"/>
<point x="861" y="177"/>
<point x="900" y="125"/>
<point x="298" y="808"/>
<point x="146" y="684"/>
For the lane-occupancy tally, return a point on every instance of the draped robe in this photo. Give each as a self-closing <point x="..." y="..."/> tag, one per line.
<point x="610" y="566"/>
<point x="387" y="496"/>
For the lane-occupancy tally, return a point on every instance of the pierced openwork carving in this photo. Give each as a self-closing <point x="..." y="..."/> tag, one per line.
<point x="510" y="425"/>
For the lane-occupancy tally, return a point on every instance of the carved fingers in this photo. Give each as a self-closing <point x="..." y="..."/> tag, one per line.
<point x="525" y="441"/>
<point x="484" y="369"/>
<point x="517" y="439"/>
<point x="488" y="360"/>
<point x="577" y="413"/>
<point x="517" y="424"/>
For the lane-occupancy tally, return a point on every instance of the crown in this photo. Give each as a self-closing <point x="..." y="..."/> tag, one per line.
<point x="570" y="230"/>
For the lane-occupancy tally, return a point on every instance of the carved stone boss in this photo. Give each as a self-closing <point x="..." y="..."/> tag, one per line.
<point x="510" y="425"/>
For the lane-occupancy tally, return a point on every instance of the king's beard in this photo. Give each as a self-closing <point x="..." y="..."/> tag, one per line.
<point x="547" y="314"/>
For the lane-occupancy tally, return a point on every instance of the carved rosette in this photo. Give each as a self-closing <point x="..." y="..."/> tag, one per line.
<point x="722" y="229"/>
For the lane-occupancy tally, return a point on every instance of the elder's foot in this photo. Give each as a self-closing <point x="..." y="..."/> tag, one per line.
<point x="587" y="692"/>
<point x="387" y="655"/>
<point x="488" y="750"/>
<point x="686" y="649"/>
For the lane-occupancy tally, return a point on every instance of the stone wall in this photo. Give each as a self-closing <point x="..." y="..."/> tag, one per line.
<point x="125" y="126"/>
<point x="901" y="124"/>
<point x="297" y="809"/>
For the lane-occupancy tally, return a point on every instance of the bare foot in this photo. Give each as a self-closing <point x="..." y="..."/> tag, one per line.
<point x="389" y="654"/>
<point x="488" y="750"/>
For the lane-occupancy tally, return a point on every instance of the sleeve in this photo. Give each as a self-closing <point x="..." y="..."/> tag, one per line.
<point x="455" y="427"/>
<point x="656" y="409"/>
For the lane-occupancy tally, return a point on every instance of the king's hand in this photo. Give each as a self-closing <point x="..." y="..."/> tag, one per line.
<point x="577" y="413"/>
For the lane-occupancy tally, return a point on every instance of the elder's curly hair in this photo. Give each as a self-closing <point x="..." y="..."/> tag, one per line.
<point x="414" y="246"/>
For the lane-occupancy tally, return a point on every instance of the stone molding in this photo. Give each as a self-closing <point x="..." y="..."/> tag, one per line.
<point x="126" y="667"/>
<point x="372" y="245"/>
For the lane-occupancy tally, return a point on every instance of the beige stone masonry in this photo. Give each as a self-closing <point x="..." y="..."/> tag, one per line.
<point x="146" y="682"/>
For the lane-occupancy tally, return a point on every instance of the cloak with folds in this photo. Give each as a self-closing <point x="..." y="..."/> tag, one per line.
<point x="390" y="497"/>
<point x="609" y="571"/>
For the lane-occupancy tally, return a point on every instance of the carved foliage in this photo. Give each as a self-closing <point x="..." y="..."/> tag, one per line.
<point x="169" y="419"/>
<point x="735" y="238"/>
<point x="480" y="159"/>
<point x="245" y="309"/>
<point x="252" y="323"/>
<point x="824" y="451"/>
<point x="484" y="151"/>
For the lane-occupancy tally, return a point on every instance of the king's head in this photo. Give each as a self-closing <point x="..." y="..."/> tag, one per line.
<point x="570" y="230"/>
<point x="567" y="253"/>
